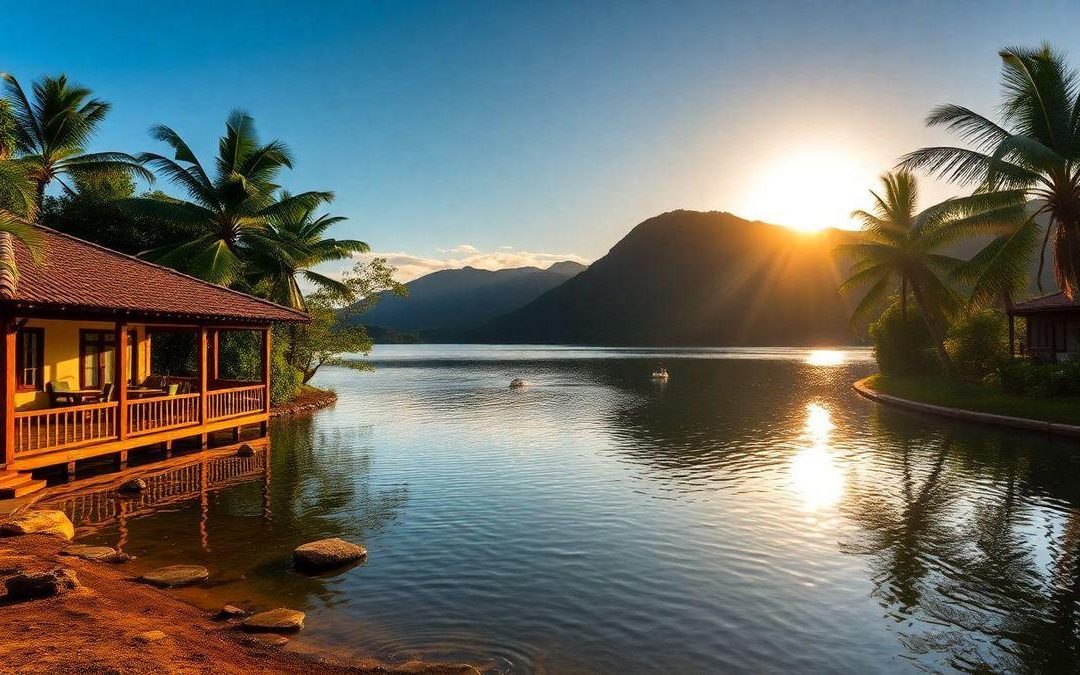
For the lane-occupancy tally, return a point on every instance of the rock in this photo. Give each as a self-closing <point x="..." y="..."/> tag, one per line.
<point x="278" y="620"/>
<point x="133" y="485"/>
<point x="327" y="554"/>
<point x="39" y="522"/>
<point x="96" y="553"/>
<point x="35" y="585"/>
<point x="231" y="612"/>
<point x="245" y="450"/>
<point x="269" y="640"/>
<point x="517" y="383"/>
<point x="150" y="636"/>
<point x="176" y="575"/>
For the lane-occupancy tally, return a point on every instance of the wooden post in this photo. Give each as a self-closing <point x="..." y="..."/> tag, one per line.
<point x="266" y="369"/>
<point x="7" y="452"/>
<point x="215" y="360"/>
<point x="203" y="402"/>
<point x="1012" y="336"/>
<point x="120" y="369"/>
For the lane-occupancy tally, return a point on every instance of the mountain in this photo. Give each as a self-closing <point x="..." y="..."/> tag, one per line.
<point x="694" y="278"/>
<point x="453" y="301"/>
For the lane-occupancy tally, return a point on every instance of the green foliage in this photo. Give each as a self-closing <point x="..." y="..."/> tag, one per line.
<point x="335" y="327"/>
<point x="92" y="211"/>
<point x="1026" y="160"/>
<point x="285" y="380"/>
<point x="903" y="346"/>
<point x="1031" y="378"/>
<point x="978" y="343"/>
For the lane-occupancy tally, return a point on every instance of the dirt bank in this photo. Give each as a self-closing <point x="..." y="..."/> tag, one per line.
<point x="100" y="627"/>
<point x="309" y="400"/>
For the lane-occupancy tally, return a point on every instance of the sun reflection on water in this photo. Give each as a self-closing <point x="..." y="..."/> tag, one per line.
<point x="826" y="357"/>
<point x="814" y="474"/>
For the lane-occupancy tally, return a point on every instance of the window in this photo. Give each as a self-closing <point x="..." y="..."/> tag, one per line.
<point x="98" y="351"/>
<point x="30" y="359"/>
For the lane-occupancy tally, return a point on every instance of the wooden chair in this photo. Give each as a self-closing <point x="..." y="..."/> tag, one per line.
<point x="174" y="389"/>
<point x="57" y="395"/>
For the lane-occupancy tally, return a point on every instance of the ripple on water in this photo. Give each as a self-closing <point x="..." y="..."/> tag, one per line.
<point x="752" y="514"/>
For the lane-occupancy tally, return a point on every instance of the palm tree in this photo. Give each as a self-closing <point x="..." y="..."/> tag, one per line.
<point x="223" y="212"/>
<point x="51" y="130"/>
<point x="291" y="244"/>
<point x="1033" y="156"/>
<point x="898" y="250"/>
<point x="18" y="207"/>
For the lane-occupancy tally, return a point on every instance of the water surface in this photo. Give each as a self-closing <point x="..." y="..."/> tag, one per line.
<point x="750" y="515"/>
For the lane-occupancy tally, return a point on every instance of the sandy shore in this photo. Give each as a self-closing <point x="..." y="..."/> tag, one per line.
<point x="100" y="627"/>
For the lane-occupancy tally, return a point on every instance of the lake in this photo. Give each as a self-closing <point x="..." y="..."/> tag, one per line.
<point x="751" y="514"/>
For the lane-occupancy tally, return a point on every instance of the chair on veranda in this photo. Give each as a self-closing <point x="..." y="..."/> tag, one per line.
<point x="107" y="393"/>
<point x="58" y="395"/>
<point x="174" y="389"/>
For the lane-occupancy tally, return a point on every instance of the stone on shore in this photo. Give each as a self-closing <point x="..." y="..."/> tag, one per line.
<point x="96" y="553"/>
<point x="37" y="585"/>
<point x="280" y="620"/>
<point x="150" y="636"/>
<point x="269" y="640"/>
<point x="176" y="575"/>
<point x="231" y="612"/>
<point x="39" y="522"/>
<point x="133" y="485"/>
<point x="327" y="554"/>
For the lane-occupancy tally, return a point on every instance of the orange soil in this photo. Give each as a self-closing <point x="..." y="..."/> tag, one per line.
<point x="93" y="629"/>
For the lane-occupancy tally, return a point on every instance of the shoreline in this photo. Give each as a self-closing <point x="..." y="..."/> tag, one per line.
<point x="863" y="388"/>
<point x="308" y="401"/>
<point x="112" y="623"/>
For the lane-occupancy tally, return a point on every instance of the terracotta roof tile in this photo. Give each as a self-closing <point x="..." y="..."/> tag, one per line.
<point x="76" y="274"/>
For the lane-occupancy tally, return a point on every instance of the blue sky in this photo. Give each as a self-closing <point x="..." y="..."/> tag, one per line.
<point x="465" y="131"/>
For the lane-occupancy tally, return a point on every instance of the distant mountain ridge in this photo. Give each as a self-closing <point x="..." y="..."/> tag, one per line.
<point x="454" y="301"/>
<point x="694" y="278"/>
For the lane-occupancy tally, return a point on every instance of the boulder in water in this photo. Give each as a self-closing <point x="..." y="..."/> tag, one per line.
<point x="517" y="383"/>
<point x="280" y="620"/>
<point x="176" y="575"/>
<point x="326" y="554"/>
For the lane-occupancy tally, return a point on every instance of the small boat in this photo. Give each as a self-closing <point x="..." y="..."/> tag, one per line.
<point x="517" y="383"/>
<point x="660" y="373"/>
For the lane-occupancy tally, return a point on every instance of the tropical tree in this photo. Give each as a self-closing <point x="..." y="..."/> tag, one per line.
<point x="1032" y="155"/>
<point x="899" y="250"/>
<point x="222" y="214"/>
<point x="17" y="196"/>
<point x="52" y="128"/>
<point x="293" y="242"/>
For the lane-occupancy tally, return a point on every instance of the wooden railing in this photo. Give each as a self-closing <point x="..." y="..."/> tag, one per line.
<point x="162" y="412"/>
<point x="222" y="403"/>
<point x="56" y="428"/>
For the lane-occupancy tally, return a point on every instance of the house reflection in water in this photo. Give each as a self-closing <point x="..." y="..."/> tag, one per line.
<point x="92" y="505"/>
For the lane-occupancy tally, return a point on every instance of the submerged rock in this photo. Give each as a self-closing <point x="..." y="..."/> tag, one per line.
<point x="327" y="554"/>
<point x="275" y="621"/>
<point x="517" y="383"/>
<point x="176" y="575"/>
<point x="39" y="522"/>
<point x="36" y="585"/>
<point x="133" y="485"/>
<point x="245" y="450"/>
<point x="269" y="640"/>
<point x="96" y="553"/>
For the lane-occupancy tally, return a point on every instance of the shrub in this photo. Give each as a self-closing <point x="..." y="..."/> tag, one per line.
<point x="903" y="347"/>
<point x="978" y="343"/>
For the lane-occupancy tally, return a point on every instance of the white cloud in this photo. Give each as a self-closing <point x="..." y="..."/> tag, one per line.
<point x="411" y="266"/>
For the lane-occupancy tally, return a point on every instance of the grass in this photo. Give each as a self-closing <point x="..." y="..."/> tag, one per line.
<point x="943" y="391"/>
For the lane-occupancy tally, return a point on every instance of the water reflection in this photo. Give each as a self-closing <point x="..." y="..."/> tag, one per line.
<point x="816" y="477"/>
<point x="826" y="357"/>
<point x="597" y="523"/>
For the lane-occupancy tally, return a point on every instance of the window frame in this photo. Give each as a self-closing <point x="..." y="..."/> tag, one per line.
<point x="104" y="342"/>
<point x="39" y="360"/>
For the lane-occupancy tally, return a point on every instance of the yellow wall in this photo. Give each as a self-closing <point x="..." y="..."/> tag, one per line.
<point x="62" y="356"/>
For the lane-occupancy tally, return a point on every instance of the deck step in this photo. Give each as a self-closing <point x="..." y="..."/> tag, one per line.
<point x="21" y="489"/>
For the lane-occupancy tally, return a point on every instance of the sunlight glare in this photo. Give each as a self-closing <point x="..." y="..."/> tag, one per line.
<point x="825" y="357"/>
<point x="809" y="190"/>
<point x="814" y="474"/>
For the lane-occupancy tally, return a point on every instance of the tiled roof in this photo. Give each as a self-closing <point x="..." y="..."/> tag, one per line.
<point x="1047" y="303"/>
<point x="73" y="274"/>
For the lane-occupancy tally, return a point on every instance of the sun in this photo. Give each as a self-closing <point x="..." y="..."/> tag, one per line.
<point x="808" y="190"/>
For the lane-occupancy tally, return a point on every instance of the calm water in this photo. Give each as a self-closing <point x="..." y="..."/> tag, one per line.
<point x="753" y="514"/>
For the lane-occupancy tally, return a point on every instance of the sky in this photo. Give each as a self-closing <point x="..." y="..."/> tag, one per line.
<point x="498" y="133"/>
